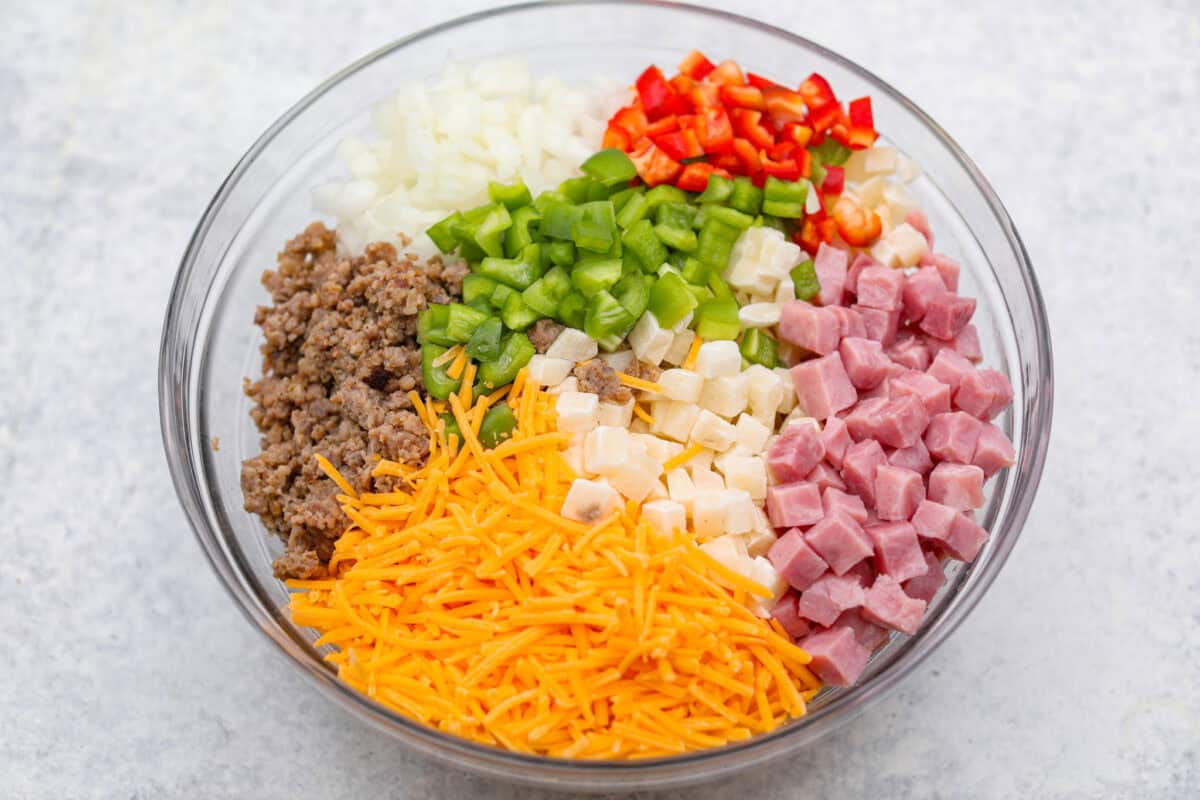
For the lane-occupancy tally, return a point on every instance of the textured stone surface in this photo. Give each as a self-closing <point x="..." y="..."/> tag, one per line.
<point x="126" y="671"/>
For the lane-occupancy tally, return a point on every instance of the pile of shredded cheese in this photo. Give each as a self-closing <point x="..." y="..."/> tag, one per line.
<point x="468" y="603"/>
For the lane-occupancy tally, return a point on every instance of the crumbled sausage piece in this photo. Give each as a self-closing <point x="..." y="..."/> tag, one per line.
<point x="599" y="378"/>
<point x="543" y="333"/>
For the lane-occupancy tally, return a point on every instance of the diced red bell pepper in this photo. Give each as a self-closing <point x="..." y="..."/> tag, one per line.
<point x="835" y="180"/>
<point x="747" y="123"/>
<point x="680" y="144"/>
<point x="695" y="176"/>
<point x="729" y="162"/>
<point x="653" y="165"/>
<point x="804" y="160"/>
<point x="727" y="73"/>
<point x="695" y="65"/>
<point x="825" y="117"/>
<point x="742" y="97"/>
<point x="758" y="81"/>
<point x="632" y="119"/>
<point x="682" y="84"/>
<point x="808" y="237"/>
<point x="786" y="170"/>
<point x="657" y="96"/>
<point x="715" y="130"/>
<point x="798" y="133"/>
<point x="862" y="124"/>
<point x="704" y="95"/>
<point x="747" y="154"/>
<point x="857" y="225"/>
<point x="826" y="228"/>
<point x="781" y="150"/>
<point x="664" y="125"/>
<point x="817" y="92"/>
<point x="615" y="136"/>
<point x="783" y="105"/>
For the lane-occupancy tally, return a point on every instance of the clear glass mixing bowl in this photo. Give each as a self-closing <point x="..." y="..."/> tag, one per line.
<point x="210" y="343"/>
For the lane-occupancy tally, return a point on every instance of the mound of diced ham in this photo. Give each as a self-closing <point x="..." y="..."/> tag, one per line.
<point x="870" y="505"/>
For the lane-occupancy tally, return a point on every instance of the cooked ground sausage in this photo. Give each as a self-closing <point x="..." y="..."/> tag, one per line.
<point x="543" y="333"/>
<point x="598" y="377"/>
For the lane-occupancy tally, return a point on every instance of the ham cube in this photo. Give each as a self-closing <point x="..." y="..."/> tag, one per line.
<point x="901" y="421"/>
<point x="825" y="476"/>
<point x="788" y="616"/>
<point x="865" y="361"/>
<point x="828" y="596"/>
<point x="959" y="486"/>
<point x="967" y="345"/>
<point x="850" y="322"/>
<point x="952" y="437"/>
<point x="915" y="458"/>
<point x="863" y="419"/>
<point x="946" y="315"/>
<point x="815" y="329"/>
<point x="934" y="394"/>
<point x="836" y="439"/>
<point x="869" y="635"/>
<point x="795" y="561"/>
<point x="983" y="393"/>
<point x="993" y="451"/>
<point x="888" y="605"/>
<point x="881" y="324"/>
<point x="949" y="367"/>
<point x="898" y="492"/>
<point x="918" y="220"/>
<point x="792" y="504"/>
<point x="919" y="288"/>
<point x="966" y="538"/>
<point x="859" y="467"/>
<point x="924" y="587"/>
<point x="863" y="571"/>
<point x="822" y="386"/>
<point x="897" y="551"/>
<point x="840" y="541"/>
<point x="860" y="262"/>
<point x="835" y="500"/>
<point x="880" y="287"/>
<point x="830" y="266"/>
<point x="838" y="658"/>
<point x="947" y="268"/>
<point x="933" y="521"/>
<point x="910" y="351"/>
<point x="795" y="453"/>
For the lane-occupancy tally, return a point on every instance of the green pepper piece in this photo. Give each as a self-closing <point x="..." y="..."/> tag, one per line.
<point x="635" y="208"/>
<point x="730" y="216"/>
<point x="558" y="219"/>
<point x="515" y="272"/>
<point x="702" y="293"/>
<point x="591" y="277"/>
<point x="548" y="198"/>
<point x="718" y="190"/>
<point x="641" y="239"/>
<point x="477" y="287"/>
<point x="682" y="239"/>
<point x="817" y="173"/>
<point x="676" y="215"/>
<point x="462" y="321"/>
<point x="596" y="226"/>
<point x="560" y="253"/>
<point x="442" y="232"/>
<point x="746" y="197"/>
<point x="519" y="235"/>
<point x="773" y="222"/>
<point x="489" y="235"/>
<point x="715" y="243"/>
<point x="610" y="167"/>
<point x="498" y="424"/>
<point x="575" y="189"/>
<point x="484" y="344"/>
<point x="515" y="352"/>
<point x="758" y="347"/>
<point x="831" y="152"/>
<point x="513" y="195"/>
<point x="437" y="382"/>
<point x="718" y="319"/>
<point x="619" y="199"/>
<point x="804" y="278"/>
<point x="431" y="325"/>
<point x="633" y="293"/>
<point x="670" y="301"/>
<point x="607" y="321"/>
<point x="501" y="295"/>
<point x="785" y="198"/>
<point x="451" y="426"/>
<point x="547" y="291"/>
<point x="695" y="271"/>
<point x="572" y="311"/>
<point x="517" y="315"/>
<point x="664" y="193"/>
<point x="718" y="286"/>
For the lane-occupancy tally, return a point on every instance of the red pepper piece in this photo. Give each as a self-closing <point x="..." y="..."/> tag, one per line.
<point x="664" y="125"/>
<point x="657" y="96"/>
<point x="782" y="150"/>
<point x="747" y="155"/>
<point x="653" y="165"/>
<point x="758" y="81"/>
<point x="804" y="160"/>
<point x="748" y="125"/>
<point x="862" y="124"/>
<point x="615" y="136"/>
<point x="742" y="97"/>
<point x="835" y="180"/>
<point x="783" y="105"/>
<point x="705" y="95"/>
<point x="632" y="119"/>
<point x="695" y="176"/>
<point x="826" y="229"/>
<point x="823" y="118"/>
<point x="715" y="130"/>
<point x="727" y="73"/>
<point x="786" y="170"/>
<point x="682" y="84"/>
<point x="808" y="237"/>
<point x="680" y="144"/>
<point x="729" y="162"/>
<point x="857" y="225"/>
<point x="798" y="133"/>
<point x="695" y="65"/>
<point x="841" y="134"/>
<point x="817" y="92"/>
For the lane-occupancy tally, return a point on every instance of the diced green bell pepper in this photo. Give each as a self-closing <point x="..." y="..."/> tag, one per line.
<point x="515" y="352"/>
<point x="442" y="232"/>
<point x="730" y="216"/>
<point x="784" y="198"/>
<point x="462" y="321"/>
<point x="718" y="319"/>
<point x="514" y="272"/>
<point x="596" y="227"/>
<point x="517" y="315"/>
<point x="513" y="195"/>
<point x="558" y="219"/>
<point x="437" y="382"/>
<point x="484" y="344"/>
<point x="622" y="197"/>
<point x="591" y="277"/>
<point x="519" y="236"/>
<point x="682" y="239"/>
<point x="547" y="291"/>
<point x="575" y="189"/>
<point x="718" y="190"/>
<point x="664" y="193"/>
<point x="633" y="293"/>
<point x="498" y="424"/>
<point x="715" y="243"/>
<point x="635" y="208"/>
<point x="431" y="325"/>
<point x="560" y="253"/>
<point x="649" y="249"/>
<point x="670" y="300"/>
<point x="831" y="152"/>
<point x="489" y="234"/>
<point x="572" y="311"/>
<point x="804" y="278"/>
<point x="501" y="295"/>
<point x="746" y="197"/>
<point x="695" y="271"/>
<point x="758" y="347"/>
<point x="607" y="321"/>
<point x="611" y="167"/>
<point x="477" y="287"/>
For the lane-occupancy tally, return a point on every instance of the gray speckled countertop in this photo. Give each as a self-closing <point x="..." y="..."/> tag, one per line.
<point x="126" y="671"/>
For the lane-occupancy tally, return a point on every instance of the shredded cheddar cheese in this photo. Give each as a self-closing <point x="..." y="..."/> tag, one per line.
<point x="639" y="384"/>
<point x="683" y="457"/>
<point x="693" y="353"/>
<point x="463" y="599"/>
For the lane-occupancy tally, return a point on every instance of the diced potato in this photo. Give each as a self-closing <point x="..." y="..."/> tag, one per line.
<point x="573" y="456"/>
<point x="762" y="571"/>
<point x="713" y="432"/>
<point x="590" y="501"/>
<point x="573" y="345"/>
<point x="739" y="511"/>
<point x="719" y="359"/>
<point x="577" y="411"/>
<point x="728" y="551"/>
<point x="621" y="361"/>
<point x="764" y="392"/>
<point x="747" y="473"/>
<point x="681" y="345"/>
<point x="570" y="384"/>
<point x="798" y="417"/>
<point x="681" y="384"/>
<point x="616" y="414"/>
<point x="785" y="292"/>
<point x="759" y="315"/>
<point x="907" y="246"/>
<point x="546" y="371"/>
<point x="649" y="341"/>
<point x="681" y="489"/>
<point x="673" y="419"/>
<point x="788" y="385"/>
<point x="605" y="449"/>
<point x="726" y="397"/>
<point x="761" y="535"/>
<point x="666" y="516"/>
<point x="706" y="481"/>
<point x="751" y="435"/>
<point x="658" y="448"/>
<point x="709" y="510"/>
<point x="658" y="491"/>
<point x="635" y="477"/>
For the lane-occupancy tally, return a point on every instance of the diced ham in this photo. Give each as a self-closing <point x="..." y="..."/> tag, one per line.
<point x="828" y="597"/>
<point x="869" y="635"/>
<point x="934" y="394"/>
<point x="919" y="288"/>
<point x="946" y="315"/>
<point x="959" y="486"/>
<point x="933" y="521"/>
<point x="881" y="325"/>
<point x="795" y="453"/>
<point x="787" y="615"/>
<point x="860" y="262"/>
<point x="792" y="504"/>
<point x="881" y="392"/>
<point x="924" y="587"/>
<point x="795" y="561"/>
<point x="910" y="351"/>
<point x="830" y="266"/>
<point x="863" y="419"/>
<point x="983" y="393"/>
<point x="838" y="658"/>
<point x="822" y="386"/>
<point x="897" y="551"/>
<point x="901" y="421"/>
<point x="898" y="492"/>
<point x="836" y="440"/>
<point x="915" y="458"/>
<point x="859" y="467"/>
<point x="967" y="345"/>
<point x="865" y="361"/>
<point x="949" y="368"/>
<point x="993" y="451"/>
<point x="825" y="476"/>
<point x="880" y="287"/>
<point x="918" y="220"/>
<point x="888" y="605"/>
<point x="966" y="538"/>
<point x="952" y="436"/>
<point x="834" y="500"/>
<point x="840" y="541"/>
<point x="850" y="322"/>
<point x="811" y="327"/>
<point x="946" y="267"/>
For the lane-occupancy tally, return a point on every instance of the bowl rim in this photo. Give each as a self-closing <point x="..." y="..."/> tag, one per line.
<point x="176" y="431"/>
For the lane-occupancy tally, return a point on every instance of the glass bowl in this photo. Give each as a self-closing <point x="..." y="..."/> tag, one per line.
<point x="209" y="341"/>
